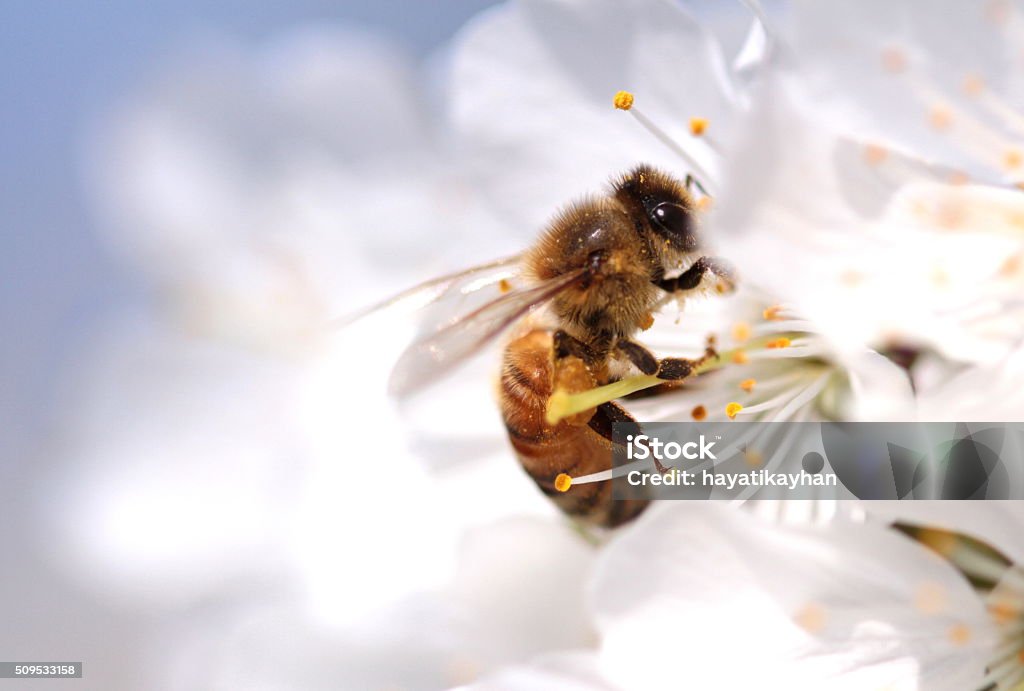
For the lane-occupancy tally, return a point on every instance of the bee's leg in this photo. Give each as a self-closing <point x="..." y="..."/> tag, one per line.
<point x="691" y="181"/>
<point x="670" y="368"/>
<point x="642" y="358"/>
<point x="571" y="371"/>
<point x="691" y="278"/>
<point x="566" y="345"/>
<point x="607" y="414"/>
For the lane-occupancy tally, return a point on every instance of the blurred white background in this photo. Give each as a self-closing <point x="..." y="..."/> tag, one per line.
<point x="67" y="68"/>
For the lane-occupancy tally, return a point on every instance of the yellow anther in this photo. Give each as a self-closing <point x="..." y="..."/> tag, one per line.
<point x="748" y="385"/>
<point x="811" y="617"/>
<point x="973" y="85"/>
<point x="699" y="413"/>
<point x="1012" y="265"/>
<point x="958" y="177"/>
<point x="772" y="313"/>
<point x="781" y="342"/>
<point x="930" y="598"/>
<point x="733" y="409"/>
<point x="563" y="482"/>
<point x="851" y="277"/>
<point x="623" y="100"/>
<point x="940" y="118"/>
<point x="753" y="457"/>
<point x="740" y="332"/>
<point x="894" y="60"/>
<point x="959" y="634"/>
<point x="697" y="126"/>
<point x="740" y="357"/>
<point x="504" y="286"/>
<point x="1004" y="612"/>
<point x="875" y="154"/>
<point x="1013" y="158"/>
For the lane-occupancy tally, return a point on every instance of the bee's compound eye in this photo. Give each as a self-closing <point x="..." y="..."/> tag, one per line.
<point x="672" y="218"/>
<point x="675" y="222"/>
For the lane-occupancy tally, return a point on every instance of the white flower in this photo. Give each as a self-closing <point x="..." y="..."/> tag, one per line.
<point x="532" y="89"/>
<point x="890" y="215"/>
<point x="865" y="243"/>
<point x="945" y="87"/>
<point x="736" y="602"/>
<point x="772" y="366"/>
<point x="986" y="393"/>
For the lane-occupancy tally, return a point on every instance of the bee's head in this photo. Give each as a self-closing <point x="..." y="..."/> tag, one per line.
<point x="659" y="204"/>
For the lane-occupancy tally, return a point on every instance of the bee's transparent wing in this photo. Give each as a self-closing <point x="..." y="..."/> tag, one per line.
<point x="438" y="352"/>
<point x="453" y="288"/>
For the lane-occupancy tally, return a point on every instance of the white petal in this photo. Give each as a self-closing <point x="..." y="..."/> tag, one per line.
<point x="881" y="68"/>
<point x="569" y="671"/>
<point x="533" y="88"/>
<point x="704" y="581"/>
<point x="1000" y="524"/>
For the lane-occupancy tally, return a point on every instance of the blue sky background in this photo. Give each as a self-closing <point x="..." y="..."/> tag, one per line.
<point x="65" y="64"/>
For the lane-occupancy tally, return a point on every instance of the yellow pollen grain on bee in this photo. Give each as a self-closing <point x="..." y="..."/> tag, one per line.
<point x="875" y="154"/>
<point x="705" y="203"/>
<point x="811" y="617"/>
<point x="563" y="482"/>
<point x="959" y="634"/>
<point x="930" y="598"/>
<point x="699" y="413"/>
<point x="740" y="332"/>
<point x="733" y="409"/>
<point x="940" y="118"/>
<point x="894" y="60"/>
<point x="698" y="126"/>
<point x="781" y="342"/>
<point x="504" y="286"/>
<point x="1013" y="159"/>
<point x="973" y="84"/>
<point x="646" y="322"/>
<point x="748" y="385"/>
<point x="740" y="357"/>
<point x="623" y="100"/>
<point x="772" y="313"/>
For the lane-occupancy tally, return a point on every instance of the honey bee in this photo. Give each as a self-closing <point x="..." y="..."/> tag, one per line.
<point x="599" y="271"/>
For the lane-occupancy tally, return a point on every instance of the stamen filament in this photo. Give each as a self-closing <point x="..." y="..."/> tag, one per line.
<point x="665" y="139"/>
<point x="562" y="404"/>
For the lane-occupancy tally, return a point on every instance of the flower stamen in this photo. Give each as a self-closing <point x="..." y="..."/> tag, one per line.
<point x="624" y="100"/>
